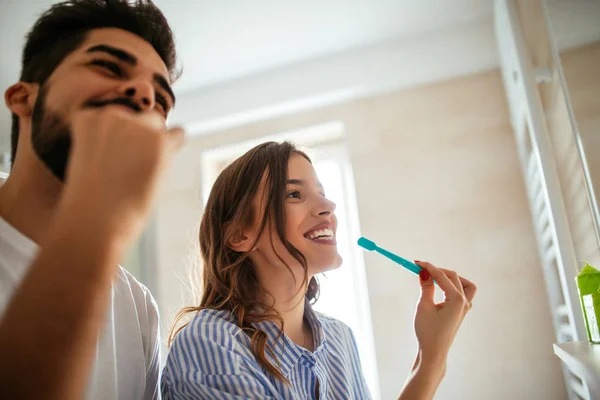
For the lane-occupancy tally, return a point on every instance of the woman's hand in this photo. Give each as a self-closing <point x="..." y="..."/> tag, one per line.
<point x="436" y="324"/>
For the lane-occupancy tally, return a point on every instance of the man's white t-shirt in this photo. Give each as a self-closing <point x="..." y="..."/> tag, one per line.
<point x="127" y="362"/>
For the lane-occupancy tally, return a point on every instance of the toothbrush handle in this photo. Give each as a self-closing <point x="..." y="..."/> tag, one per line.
<point x="399" y="260"/>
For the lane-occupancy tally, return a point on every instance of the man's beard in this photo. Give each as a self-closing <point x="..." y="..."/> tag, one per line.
<point x="51" y="134"/>
<point x="50" y="137"/>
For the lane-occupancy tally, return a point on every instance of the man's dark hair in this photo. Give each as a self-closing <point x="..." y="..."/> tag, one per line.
<point x="63" y="28"/>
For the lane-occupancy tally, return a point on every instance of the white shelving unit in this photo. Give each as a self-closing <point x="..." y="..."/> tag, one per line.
<point x="583" y="357"/>
<point x="547" y="203"/>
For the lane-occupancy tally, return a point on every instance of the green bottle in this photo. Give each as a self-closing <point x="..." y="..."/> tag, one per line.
<point x="588" y="284"/>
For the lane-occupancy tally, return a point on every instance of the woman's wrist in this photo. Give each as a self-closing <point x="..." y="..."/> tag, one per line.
<point x="425" y="377"/>
<point x="431" y="363"/>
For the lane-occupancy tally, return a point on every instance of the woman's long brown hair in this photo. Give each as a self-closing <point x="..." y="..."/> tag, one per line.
<point x="229" y="278"/>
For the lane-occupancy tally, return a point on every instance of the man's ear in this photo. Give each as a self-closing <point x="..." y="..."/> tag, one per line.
<point x="20" y="98"/>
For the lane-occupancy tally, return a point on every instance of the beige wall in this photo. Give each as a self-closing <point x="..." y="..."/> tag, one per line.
<point x="438" y="179"/>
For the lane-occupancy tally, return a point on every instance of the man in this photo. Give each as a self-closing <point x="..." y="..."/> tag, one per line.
<point x="89" y="145"/>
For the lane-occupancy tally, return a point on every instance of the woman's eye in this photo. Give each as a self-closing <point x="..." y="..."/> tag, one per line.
<point x="110" y="66"/>
<point x="294" y="195"/>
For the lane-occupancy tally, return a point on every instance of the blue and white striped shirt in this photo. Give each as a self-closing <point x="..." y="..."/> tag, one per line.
<point x="211" y="358"/>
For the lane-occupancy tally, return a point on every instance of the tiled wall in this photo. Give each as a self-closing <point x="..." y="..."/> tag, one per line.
<point x="438" y="179"/>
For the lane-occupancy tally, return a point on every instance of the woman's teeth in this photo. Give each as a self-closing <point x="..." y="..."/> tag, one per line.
<point x="326" y="234"/>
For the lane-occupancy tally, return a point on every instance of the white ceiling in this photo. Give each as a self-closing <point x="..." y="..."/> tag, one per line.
<point x="221" y="40"/>
<point x="244" y="57"/>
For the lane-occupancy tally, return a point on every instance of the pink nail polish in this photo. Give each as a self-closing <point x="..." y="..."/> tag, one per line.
<point x="424" y="274"/>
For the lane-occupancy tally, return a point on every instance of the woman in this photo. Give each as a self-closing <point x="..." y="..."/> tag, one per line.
<point x="267" y="230"/>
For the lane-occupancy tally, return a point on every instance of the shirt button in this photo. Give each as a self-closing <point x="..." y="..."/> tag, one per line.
<point x="309" y="357"/>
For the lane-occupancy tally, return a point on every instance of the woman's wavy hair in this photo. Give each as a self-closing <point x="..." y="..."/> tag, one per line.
<point x="229" y="277"/>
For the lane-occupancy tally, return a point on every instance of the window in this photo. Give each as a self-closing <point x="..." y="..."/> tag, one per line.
<point x="331" y="161"/>
<point x="348" y="284"/>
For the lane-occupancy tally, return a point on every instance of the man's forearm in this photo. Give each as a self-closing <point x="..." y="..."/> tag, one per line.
<point x="49" y="331"/>
<point x="423" y="380"/>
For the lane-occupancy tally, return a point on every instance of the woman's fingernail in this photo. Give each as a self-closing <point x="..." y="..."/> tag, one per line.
<point x="424" y="274"/>
<point x="417" y="261"/>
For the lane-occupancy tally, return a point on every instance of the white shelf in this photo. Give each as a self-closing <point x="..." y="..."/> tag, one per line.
<point x="583" y="358"/>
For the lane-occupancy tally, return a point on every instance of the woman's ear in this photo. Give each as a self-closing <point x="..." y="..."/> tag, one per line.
<point x="20" y="98"/>
<point x="241" y="242"/>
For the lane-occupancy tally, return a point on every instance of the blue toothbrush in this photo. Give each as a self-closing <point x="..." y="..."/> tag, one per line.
<point x="372" y="246"/>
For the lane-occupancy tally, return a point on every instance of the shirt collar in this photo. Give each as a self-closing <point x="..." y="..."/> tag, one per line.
<point x="286" y="352"/>
<point x="315" y="324"/>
